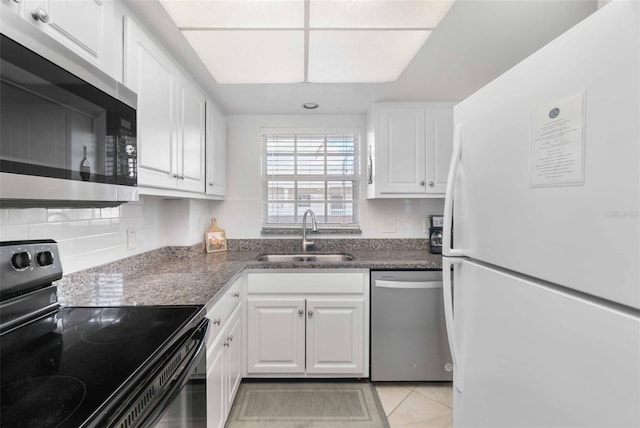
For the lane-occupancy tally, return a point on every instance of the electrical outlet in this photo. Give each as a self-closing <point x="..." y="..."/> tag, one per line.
<point x="425" y="225"/>
<point x="132" y="240"/>
<point x="389" y="226"/>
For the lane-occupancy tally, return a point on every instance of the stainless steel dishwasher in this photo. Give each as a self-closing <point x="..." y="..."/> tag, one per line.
<point x="408" y="333"/>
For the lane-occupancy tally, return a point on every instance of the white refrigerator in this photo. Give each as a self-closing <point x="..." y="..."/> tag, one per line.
<point x="541" y="240"/>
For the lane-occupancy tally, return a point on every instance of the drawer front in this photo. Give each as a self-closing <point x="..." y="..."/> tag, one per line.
<point x="306" y="282"/>
<point x="220" y="313"/>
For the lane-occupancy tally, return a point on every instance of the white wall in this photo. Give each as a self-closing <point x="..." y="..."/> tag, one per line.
<point x="89" y="237"/>
<point x="240" y="213"/>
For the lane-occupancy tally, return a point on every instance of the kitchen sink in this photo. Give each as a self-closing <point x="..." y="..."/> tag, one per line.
<point x="305" y="258"/>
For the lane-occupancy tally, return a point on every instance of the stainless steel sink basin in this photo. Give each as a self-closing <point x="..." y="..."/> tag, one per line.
<point x="305" y="258"/>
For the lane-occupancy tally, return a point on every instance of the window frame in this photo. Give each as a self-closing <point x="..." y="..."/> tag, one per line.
<point x="325" y="178"/>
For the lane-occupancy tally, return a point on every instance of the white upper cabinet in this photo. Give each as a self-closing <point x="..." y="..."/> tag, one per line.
<point x="402" y="150"/>
<point x="409" y="147"/>
<point x="191" y="138"/>
<point x="171" y="116"/>
<point x="439" y="147"/>
<point x="153" y="77"/>
<point x="216" y="152"/>
<point x="89" y="28"/>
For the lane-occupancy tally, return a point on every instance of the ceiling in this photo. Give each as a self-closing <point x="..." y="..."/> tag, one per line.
<point x="294" y="41"/>
<point x="475" y="42"/>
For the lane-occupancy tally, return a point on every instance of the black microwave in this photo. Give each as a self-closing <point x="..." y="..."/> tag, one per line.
<point x="62" y="140"/>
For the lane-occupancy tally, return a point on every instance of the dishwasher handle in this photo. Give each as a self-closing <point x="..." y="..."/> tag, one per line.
<point x="381" y="283"/>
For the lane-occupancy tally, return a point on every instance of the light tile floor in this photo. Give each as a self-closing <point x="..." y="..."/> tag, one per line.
<point x="419" y="404"/>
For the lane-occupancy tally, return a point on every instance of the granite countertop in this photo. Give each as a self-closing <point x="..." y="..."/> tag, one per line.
<point x="187" y="275"/>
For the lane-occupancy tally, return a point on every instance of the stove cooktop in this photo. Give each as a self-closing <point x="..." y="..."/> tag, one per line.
<point x="63" y="369"/>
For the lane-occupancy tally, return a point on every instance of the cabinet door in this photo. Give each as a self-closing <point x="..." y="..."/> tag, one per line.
<point x="402" y="150"/>
<point x="335" y="336"/>
<point x="79" y="25"/>
<point x="190" y="156"/>
<point x="216" y="134"/>
<point x="233" y="361"/>
<point x="275" y="342"/>
<point x="216" y="412"/>
<point x="152" y="76"/>
<point x="439" y="148"/>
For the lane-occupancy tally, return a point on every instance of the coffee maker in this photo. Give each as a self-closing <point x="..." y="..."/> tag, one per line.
<point x="435" y="234"/>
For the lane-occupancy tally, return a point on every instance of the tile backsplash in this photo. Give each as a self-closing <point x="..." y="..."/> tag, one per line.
<point x="88" y="236"/>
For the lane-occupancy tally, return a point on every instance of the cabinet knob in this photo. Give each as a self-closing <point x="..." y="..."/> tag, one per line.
<point x="422" y="183"/>
<point x="236" y="295"/>
<point x="182" y="177"/>
<point x="431" y="184"/>
<point x="210" y="184"/>
<point x="230" y="338"/>
<point x="176" y="176"/>
<point x="310" y="313"/>
<point x="40" y="15"/>
<point x="300" y="312"/>
<point x="225" y="344"/>
<point x="217" y="321"/>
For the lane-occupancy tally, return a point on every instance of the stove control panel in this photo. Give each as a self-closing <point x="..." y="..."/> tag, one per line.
<point x="27" y="265"/>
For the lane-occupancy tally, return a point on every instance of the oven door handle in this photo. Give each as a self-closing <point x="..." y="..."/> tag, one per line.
<point x="173" y="388"/>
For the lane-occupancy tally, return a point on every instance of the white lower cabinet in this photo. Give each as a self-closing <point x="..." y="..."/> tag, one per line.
<point x="335" y="336"/>
<point x="216" y="416"/>
<point x="224" y="354"/>
<point x="224" y="370"/>
<point x="276" y="333"/>
<point x="320" y="331"/>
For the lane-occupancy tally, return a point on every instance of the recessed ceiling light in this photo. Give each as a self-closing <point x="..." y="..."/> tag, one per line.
<point x="310" y="106"/>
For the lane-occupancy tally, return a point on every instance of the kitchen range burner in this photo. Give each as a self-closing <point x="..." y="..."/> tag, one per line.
<point x="41" y="401"/>
<point x="79" y="366"/>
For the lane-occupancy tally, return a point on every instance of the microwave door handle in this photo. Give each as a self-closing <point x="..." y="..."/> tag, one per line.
<point x="447" y="295"/>
<point x="456" y="158"/>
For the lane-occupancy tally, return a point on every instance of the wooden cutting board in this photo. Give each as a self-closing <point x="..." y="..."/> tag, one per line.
<point x="215" y="239"/>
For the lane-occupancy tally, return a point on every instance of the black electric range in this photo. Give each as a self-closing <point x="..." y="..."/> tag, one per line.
<point x="85" y="366"/>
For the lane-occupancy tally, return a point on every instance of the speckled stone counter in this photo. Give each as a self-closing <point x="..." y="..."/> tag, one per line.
<point x="187" y="275"/>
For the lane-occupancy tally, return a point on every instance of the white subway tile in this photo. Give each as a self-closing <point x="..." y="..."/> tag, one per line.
<point x="61" y="214"/>
<point x="131" y="209"/>
<point x="88" y="244"/>
<point x="14" y="232"/>
<point x="26" y="216"/>
<point x="76" y="229"/>
<point x="46" y="231"/>
<point x="101" y="226"/>
<point x="4" y="216"/>
<point x="84" y="213"/>
<point x="112" y="212"/>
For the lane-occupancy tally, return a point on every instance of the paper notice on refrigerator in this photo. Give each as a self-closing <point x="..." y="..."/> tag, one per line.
<point x="557" y="143"/>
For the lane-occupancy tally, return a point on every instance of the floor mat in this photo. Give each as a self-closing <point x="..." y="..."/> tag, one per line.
<point x="307" y="404"/>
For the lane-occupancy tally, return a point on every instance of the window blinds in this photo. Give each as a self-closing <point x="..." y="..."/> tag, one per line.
<point x="310" y="171"/>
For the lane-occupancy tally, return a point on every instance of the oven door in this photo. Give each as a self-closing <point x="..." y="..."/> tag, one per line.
<point x="170" y="391"/>
<point x="189" y="407"/>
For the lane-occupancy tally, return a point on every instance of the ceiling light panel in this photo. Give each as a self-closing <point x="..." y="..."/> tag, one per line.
<point x="361" y="56"/>
<point x="236" y="13"/>
<point x="377" y="13"/>
<point x="251" y="56"/>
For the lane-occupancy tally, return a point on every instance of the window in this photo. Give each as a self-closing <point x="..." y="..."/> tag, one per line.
<point x="310" y="170"/>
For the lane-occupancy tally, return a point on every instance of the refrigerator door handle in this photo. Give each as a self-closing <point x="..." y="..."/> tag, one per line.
<point x="456" y="157"/>
<point x="447" y="294"/>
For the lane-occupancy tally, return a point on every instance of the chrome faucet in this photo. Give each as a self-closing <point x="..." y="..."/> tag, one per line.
<point x="314" y="226"/>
